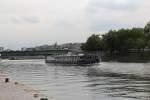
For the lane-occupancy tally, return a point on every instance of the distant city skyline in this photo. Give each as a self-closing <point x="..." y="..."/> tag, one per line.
<point x="29" y="23"/>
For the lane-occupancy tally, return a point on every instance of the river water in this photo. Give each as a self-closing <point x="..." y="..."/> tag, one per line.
<point x="104" y="81"/>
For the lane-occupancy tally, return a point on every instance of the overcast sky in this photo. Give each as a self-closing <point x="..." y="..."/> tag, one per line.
<point x="25" y="23"/>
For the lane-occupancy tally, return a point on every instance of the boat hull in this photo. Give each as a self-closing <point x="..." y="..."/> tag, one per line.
<point x="73" y="60"/>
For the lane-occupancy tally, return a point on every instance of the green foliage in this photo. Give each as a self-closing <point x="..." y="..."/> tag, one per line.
<point x="117" y="41"/>
<point x="147" y="29"/>
<point x="148" y="44"/>
<point x="93" y="43"/>
<point x="140" y="43"/>
<point x="125" y="39"/>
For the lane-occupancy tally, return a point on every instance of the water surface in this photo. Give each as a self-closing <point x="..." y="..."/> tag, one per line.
<point x="105" y="81"/>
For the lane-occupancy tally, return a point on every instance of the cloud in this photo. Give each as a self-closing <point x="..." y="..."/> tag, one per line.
<point x="118" y="5"/>
<point x="26" y="19"/>
<point x="104" y="15"/>
<point x="15" y="20"/>
<point x="31" y="19"/>
<point x="33" y="22"/>
<point x="101" y="26"/>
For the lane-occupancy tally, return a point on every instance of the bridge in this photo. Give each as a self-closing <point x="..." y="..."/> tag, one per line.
<point x="7" y="54"/>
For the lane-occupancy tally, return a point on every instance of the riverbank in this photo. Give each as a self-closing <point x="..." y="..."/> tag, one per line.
<point x="10" y="90"/>
<point x="137" y="57"/>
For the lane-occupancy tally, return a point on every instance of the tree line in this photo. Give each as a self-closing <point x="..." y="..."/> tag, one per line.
<point x="122" y="40"/>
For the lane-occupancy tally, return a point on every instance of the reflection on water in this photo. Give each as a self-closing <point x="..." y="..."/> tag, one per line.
<point x="106" y="81"/>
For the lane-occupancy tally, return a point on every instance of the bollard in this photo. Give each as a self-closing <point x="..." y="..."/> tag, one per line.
<point x="6" y="80"/>
<point x="44" y="99"/>
<point x="16" y="83"/>
<point x="36" y="95"/>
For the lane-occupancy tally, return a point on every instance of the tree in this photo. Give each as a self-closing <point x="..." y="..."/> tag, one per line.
<point x="148" y="44"/>
<point x="147" y="29"/>
<point x="93" y="43"/>
<point x="140" y="43"/>
<point x="121" y="40"/>
<point x="124" y="39"/>
<point x="110" y="40"/>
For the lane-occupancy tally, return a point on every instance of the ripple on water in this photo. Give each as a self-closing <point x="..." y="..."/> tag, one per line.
<point x="107" y="81"/>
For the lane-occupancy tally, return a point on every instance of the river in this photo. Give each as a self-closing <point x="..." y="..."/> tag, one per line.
<point x="104" y="81"/>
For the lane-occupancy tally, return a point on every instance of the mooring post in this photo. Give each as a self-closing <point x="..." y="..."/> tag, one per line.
<point x="36" y="95"/>
<point x="6" y="80"/>
<point x="44" y="99"/>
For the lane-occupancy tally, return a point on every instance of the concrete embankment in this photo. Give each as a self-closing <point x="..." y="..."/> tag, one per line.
<point x="10" y="90"/>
